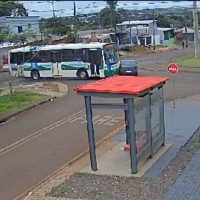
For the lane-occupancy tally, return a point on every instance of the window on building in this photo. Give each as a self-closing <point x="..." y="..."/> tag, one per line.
<point x="20" y="29"/>
<point x="171" y="34"/>
<point x="166" y="35"/>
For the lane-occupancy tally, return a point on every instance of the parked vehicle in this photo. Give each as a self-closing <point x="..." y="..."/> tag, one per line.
<point x="128" y="67"/>
<point x="65" y="60"/>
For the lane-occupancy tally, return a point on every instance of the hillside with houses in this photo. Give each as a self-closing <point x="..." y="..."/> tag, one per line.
<point x="147" y="27"/>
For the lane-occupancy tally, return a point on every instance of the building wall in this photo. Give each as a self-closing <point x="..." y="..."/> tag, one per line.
<point x="169" y="37"/>
<point x="189" y="36"/>
<point x="171" y="41"/>
<point x="4" y="56"/>
<point x="153" y="28"/>
<point x="17" y="24"/>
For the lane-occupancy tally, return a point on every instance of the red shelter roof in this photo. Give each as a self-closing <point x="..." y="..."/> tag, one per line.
<point x="123" y="84"/>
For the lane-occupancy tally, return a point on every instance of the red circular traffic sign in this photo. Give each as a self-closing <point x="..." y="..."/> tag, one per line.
<point x="173" y="68"/>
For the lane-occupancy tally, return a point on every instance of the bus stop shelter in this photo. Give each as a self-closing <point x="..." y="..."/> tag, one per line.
<point x="140" y="95"/>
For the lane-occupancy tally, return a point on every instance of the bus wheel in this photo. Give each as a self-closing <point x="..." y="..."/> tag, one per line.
<point x="35" y="74"/>
<point x="82" y="74"/>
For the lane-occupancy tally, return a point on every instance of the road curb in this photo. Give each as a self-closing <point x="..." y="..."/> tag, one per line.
<point x="9" y="116"/>
<point x="163" y="70"/>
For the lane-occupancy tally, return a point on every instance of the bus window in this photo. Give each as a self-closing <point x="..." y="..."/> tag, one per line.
<point x="16" y="58"/>
<point x="111" y="55"/>
<point x="28" y="57"/>
<point x="43" y="56"/>
<point x="78" y="54"/>
<point x="67" y="55"/>
<point x="85" y="57"/>
<point x="55" y="56"/>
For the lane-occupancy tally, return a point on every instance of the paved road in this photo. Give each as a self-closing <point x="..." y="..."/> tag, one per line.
<point x="36" y="143"/>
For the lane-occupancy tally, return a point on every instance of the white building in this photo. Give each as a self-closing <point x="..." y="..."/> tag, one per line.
<point x="20" y="24"/>
<point x="147" y="32"/>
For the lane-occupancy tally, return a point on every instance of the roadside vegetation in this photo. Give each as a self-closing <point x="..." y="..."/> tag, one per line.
<point x="188" y="61"/>
<point x="17" y="100"/>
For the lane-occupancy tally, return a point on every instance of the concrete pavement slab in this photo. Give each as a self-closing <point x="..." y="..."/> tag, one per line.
<point x="116" y="162"/>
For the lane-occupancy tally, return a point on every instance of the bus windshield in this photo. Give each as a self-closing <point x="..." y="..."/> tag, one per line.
<point x="111" y="54"/>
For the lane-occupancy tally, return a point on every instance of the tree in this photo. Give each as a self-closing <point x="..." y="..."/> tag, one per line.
<point x="2" y="36"/>
<point x="113" y="13"/>
<point x="112" y="4"/>
<point x="109" y="17"/>
<point x="12" y="8"/>
<point x="55" y="26"/>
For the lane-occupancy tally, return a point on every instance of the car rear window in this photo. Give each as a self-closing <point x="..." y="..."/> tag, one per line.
<point x="128" y="63"/>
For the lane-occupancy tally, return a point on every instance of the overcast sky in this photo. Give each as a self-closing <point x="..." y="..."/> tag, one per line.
<point x="65" y="8"/>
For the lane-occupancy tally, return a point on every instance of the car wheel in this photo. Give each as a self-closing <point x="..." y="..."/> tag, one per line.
<point x="35" y="75"/>
<point x="82" y="74"/>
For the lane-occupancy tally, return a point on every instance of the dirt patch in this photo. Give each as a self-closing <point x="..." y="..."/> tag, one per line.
<point x="54" y="87"/>
<point x="130" y="50"/>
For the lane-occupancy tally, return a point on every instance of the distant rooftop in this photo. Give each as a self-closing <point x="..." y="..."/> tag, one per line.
<point x="20" y="17"/>
<point x="189" y="30"/>
<point x="137" y="22"/>
<point x="164" y="29"/>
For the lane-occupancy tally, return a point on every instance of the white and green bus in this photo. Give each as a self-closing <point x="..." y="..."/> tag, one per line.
<point x="65" y="60"/>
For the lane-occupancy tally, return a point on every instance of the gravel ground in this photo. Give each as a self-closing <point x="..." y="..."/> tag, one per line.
<point x="93" y="187"/>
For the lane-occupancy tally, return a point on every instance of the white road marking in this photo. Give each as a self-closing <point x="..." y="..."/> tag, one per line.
<point x="78" y="117"/>
<point x="38" y="133"/>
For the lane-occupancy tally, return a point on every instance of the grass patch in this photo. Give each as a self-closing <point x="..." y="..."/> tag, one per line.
<point x="187" y="61"/>
<point x="59" y="191"/>
<point x="17" y="100"/>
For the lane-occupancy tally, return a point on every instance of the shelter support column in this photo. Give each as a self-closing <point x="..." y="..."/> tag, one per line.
<point x="126" y="124"/>
<point x="148" y="124"/>
<point x="162" y="120"/>
<point x="90" y="129"/>
<point x="132" y="132"/>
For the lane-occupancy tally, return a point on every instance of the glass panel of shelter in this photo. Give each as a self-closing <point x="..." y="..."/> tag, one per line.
<point x="157" y="137"/>
<point x="142" y="137"/>
<point x="148" y="141"/>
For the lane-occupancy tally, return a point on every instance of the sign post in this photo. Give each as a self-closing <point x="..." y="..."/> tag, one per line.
<point x="173" y="69"/>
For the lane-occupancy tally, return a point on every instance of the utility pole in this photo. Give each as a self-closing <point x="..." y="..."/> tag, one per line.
<point x="196" y="29"/>
<point x="130" y="27"/>
<point x="53" y="8"/>
<point x="75" y="23"/>
<point x="154" y="39"/>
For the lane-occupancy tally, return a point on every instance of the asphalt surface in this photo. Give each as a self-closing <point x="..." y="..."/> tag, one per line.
<point x="37" y="142"/>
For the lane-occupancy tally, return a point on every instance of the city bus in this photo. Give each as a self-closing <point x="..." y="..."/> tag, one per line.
<point x="82" y="60"/>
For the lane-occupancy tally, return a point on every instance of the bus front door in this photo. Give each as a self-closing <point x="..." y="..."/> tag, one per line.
<point x="95" y="61"/>
<point x="55" y="59"/>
